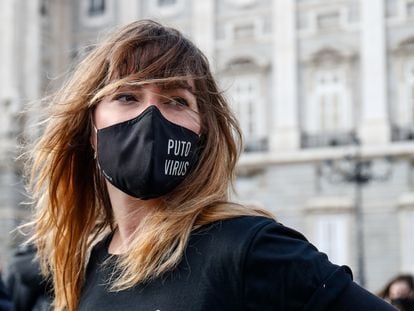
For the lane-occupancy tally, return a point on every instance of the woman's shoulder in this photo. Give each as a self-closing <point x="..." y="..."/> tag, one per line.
<point x="242" y="237"/>
<point x="283" y="260"/>
<point x="247" y="228"/>
<point x="238" y="223"/>
<point x="232" y="229"/>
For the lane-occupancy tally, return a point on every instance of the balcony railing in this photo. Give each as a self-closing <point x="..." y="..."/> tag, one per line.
<point x="327" y="139"/>
<point x="256" y="145"/>
<point x="402" y="133"/>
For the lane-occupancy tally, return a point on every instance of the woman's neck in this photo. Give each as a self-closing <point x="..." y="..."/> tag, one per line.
<point x="128" y="213"/>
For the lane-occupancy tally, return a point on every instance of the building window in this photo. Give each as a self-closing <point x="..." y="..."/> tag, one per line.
<point x="96" y="7"/>
<point x="410" y="243"/>
<point x="410" y="9"/>
<point x="244" y="31"/>
<point x="242" y="3"/>
<point x="329" y="117"/>
<point x="406" y="238"/>
<point x="329" y="110"/>
<point x="96" y="13"/>
<point x="248" y="105"/>
<point x="405" y="114"/>
<point x="331" y="237"/>
<point x="329" y="20"/>
<point x="164" y="3"/>
<point x="328" y="91"/>
<point x="166" y="8"/>
<point x="409" y="77"/>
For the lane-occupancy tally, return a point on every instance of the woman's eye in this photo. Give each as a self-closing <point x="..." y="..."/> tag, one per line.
<point x="125" y="98"/>
<point x="179" y="101"/>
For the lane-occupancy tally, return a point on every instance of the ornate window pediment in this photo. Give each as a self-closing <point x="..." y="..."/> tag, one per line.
<point x="405" y="47"/>
<point x="243" y="61"/>
<point x="328" y="55"/>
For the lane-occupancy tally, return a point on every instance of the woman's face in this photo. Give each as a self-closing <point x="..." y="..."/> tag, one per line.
<point x="399" y="289"/>
<point x="178" y="105"/>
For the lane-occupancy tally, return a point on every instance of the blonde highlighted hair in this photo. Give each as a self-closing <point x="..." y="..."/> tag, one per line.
<point x="72" y="206"/>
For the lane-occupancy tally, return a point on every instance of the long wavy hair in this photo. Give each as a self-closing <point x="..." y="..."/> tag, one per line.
<point x="72" y="206"/>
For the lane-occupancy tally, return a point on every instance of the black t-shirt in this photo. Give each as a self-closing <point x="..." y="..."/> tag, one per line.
<point x="244" y="263"/>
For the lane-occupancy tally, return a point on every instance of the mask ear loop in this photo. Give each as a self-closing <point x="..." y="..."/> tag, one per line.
<point x="95" y="154"/>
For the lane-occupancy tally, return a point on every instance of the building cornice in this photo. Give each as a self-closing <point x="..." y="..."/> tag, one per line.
<point x="262" y="160"/>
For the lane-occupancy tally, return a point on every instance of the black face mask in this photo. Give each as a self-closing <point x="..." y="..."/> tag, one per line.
<point x="406" y="304"/>
<point x="148" y="156"/>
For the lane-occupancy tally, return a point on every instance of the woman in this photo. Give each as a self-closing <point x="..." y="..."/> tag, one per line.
<point x="400" y="292"/>
<point x="135" y="163"/>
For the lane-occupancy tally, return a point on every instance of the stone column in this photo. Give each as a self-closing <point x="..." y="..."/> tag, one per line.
<point x="12" y="62"/>
<point x="32" y="70"/>
<point x="202" y="21"/>
<point x="374" y="124"/>
<point x="28" y="63"/>
<point x="285" y="134"/>
<point x="7" y="42"/>
<point x="57" y="42"/>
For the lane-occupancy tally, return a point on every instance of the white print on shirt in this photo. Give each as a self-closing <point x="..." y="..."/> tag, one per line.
<point x="178" y="147"/>
<point x="176" y="168"/>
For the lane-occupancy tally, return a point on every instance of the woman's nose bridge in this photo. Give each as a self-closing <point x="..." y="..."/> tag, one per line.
<point x="149" y="104"/>
<point x="153" y="99"/>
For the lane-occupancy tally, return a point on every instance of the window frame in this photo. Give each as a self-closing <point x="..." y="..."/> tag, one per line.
<point x="406" y="221"/>
<point x="96" y="20"/>
<point x="258" y="30"/>
<point x="243" y="106"/>
<point x="315" y="122"/>
<point x="168" y="10"/>
<point x="409" y="88"/>
<point x="332" y="209"/>
<point x="336" y="250"/>
<point x="91" y="4"/>
<point x="242" y="3"/>
<point x="253" y="126"/>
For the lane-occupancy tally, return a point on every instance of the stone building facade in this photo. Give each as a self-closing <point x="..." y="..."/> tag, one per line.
<point x="316" y="85"/>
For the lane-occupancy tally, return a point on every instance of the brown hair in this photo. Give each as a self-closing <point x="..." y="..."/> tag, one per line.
<point x="71" y="200"/>
<point x="407" y="278"/>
